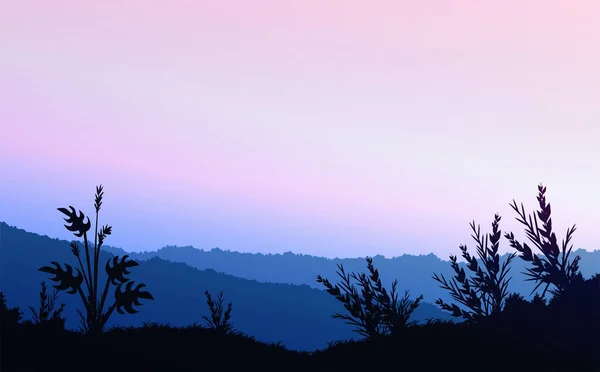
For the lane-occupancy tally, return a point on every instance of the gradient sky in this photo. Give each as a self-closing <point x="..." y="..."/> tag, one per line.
<point x="333" y="128"/>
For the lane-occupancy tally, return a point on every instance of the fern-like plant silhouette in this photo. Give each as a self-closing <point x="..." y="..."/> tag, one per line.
<point x="374" y="311"/>
<point x="220" y="319"/>
<point x="48" y="313"/>
<point x="72" y="280"/>
<point x="485" y="292"/>
<point x="554" y="267"/>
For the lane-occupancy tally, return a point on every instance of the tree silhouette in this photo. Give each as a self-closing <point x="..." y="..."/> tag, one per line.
<point x="72" y="279"/>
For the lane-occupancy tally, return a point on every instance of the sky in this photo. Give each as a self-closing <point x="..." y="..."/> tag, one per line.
<point x="330" y="128"/>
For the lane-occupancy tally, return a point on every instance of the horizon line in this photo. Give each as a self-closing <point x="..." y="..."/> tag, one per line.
<point x="459" y="257"/>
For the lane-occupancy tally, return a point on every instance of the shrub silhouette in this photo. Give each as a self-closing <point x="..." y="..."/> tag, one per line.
<point x="373" y="312"/>
<point x="219" y="320"/>
<point x="581" y="294"/>
<point x="515" y="301"/>
<point x="126" y="296"/>
<point x="485" y="292"/>
<point x="519" y="310"/>
<point x="9" y="318"/>
<point x="48" y="314"/>
<point x="554" y="267"/>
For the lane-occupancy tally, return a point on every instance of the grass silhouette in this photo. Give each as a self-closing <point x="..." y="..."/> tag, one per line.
<point x="219" y="321"/>
<point x="47" y="313"/>
<point x="504" y="331"/>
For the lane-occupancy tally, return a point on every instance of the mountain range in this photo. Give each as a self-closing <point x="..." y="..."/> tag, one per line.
<point x="412" y="272"/>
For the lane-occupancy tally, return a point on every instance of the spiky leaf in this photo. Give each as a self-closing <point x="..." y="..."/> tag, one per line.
<point x="129" y="297"/>
<point x="66" y="278"/>
<point x="117" y="272"/>
<point x="77" y="222"/>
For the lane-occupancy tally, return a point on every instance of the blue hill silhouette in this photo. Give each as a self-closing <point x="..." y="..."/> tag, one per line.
<point x="413" y="272"/>
<point x="260" y="309"/>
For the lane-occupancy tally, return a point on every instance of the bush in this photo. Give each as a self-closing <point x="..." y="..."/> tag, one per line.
<point x="373" y="312"/>
<point x="553" y="267"/>
<point x="484" y="293"/>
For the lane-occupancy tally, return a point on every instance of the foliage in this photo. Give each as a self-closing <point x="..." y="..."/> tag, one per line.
<point x="485" y="292"/>
<point x="219" y="320"/>
<point x="583" y="295"/>
<point x="373" y="311"/>
<point x="553" y="267"/>
<point x="72" y="279"/>
<point x="47" y="313"/>
<point x="518" y="310"/>
<point x="515" y="301"/>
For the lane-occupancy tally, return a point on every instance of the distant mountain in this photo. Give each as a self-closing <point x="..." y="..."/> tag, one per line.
<point x="413" y="272"/>
<point x="297" y="315"/>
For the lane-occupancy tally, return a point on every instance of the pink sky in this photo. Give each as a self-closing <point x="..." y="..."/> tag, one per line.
<point x="334" y="128"/>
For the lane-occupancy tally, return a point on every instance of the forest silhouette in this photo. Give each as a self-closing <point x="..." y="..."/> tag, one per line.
<point x="558" y="329"/>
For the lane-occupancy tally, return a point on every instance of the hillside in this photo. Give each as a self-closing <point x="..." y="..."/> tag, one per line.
<point x="297" y="315"/>
<point x="413" y="272"/>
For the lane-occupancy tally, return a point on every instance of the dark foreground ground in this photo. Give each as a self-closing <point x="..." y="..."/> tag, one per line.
<point x="563" y="335"/>
<point x="527" y="345"/>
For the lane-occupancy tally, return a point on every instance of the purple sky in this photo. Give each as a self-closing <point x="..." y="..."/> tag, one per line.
<point x="333" y="128"/>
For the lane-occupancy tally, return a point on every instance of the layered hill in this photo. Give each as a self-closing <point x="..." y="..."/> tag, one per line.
<point x="297" y="315"/>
